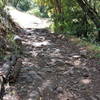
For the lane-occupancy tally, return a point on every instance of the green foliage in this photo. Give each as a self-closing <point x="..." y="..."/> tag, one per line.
<point x="97" y="56"/>
<point x="15" y="48"/>
<point x="36" y="11"/>
<point x="2" y="3"/>
<point x="39" y="10"/>
<point x="24" y="5"/>
<point x="69" y="17"/>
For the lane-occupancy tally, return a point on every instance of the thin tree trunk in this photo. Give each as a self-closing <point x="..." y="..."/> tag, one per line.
<point x="93" y="15"/>
<point x="58" y="5"/>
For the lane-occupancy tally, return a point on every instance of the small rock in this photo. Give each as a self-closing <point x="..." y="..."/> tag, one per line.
<point x="83" y="53"/>
<point x="85" y="81"/>
<point x="34" y="94"/>
<point x="61" y="68"/>
<point x="17" y="37"/>
<point x="81" y="99"/>
<point x="59" y="90"/>
<point x="76" y="56"/>
<point x="49" y="70"/>
<point x="93" y="98"/>
<point x="40" y="91"/>
<point x="18" y="40"/>
<point x="42" y="74"/>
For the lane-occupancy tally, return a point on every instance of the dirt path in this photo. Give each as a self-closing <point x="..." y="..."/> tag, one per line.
<point x="26" y="20"/>
<point x="54" y="68"/>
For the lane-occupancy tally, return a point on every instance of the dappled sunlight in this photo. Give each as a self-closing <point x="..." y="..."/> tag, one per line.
<point x="10" y="97"/>
<point x="56" y="53"/>
<point x="86" y="81"/>
<point x="39" y="44"/>
<point x="11" y="93"/>
<point x="54" y="61"/>
<point x="33" y="94"/>
<point x="46" y="84"/>
<point x="77" y="62"/>
<point x="33" y="53"/>
<point x="66" y="95"/>
<point x="27" y="62"/>
<point x="36" y="43"/>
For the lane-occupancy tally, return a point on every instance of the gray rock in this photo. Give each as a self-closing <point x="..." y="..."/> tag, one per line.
<point x="34" y="75"/>
<point x="93" y="98"/>
<point x="34" y="94"/>
<point x="81" y="99"/>
<point x="18" y="40"/>
<point x="83" y="53"/>
<point x="59" y="90"/>
<point x="50" y="70"/>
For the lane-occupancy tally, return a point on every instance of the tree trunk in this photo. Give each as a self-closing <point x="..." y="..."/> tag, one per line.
<point x="17" y="3"/>
<point x="93" y="15"/>
<point x="58" y="4"/>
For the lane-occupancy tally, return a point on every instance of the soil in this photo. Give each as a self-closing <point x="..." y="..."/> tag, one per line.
<point x="54" y="68"/>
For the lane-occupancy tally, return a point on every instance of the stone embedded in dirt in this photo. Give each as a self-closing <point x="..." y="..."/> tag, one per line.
<point x="40" y="90"/>
<point x="59" y="90"/>
<point x="16" y="37"/>
<point x="42" y="74"/>
<point x="76" y="56"/>
<point x="4" y="68"/>
<point x="11" y="97"/>
<point x="83" y="53"/>
<point x="98" y="95"/>
<point x="93" y="98"/>
<point x="49" y="70"/>
<point x="69" y="63"/>
<point x="18" y="40"/>
<point x="81" y="99"/>
<point x="61" y="68"/>
<point x="77" y="62"/>
<point x="59" y="63"/>
<point x="33" y="95"/>
<point x="85" y="81"/>
<point x="34" y="75"/>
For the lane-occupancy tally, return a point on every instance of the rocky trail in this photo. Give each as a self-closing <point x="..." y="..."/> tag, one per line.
<point x="54" y="68"/>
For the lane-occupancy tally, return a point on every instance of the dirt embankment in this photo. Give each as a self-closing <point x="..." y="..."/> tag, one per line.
<point x="8" y="50"/>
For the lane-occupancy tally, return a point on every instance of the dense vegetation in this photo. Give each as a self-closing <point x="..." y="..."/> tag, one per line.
<point x="79" y="17"/>
<point x="75" y="17"/>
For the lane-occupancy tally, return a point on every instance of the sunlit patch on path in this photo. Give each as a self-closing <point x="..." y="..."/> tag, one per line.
<point x="26" y="20"/>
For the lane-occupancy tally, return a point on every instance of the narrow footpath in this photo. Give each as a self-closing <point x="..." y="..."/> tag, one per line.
<point x="54" y="68"/>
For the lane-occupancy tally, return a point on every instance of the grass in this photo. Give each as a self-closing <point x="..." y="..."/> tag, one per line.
<point x="93" y="48"/>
